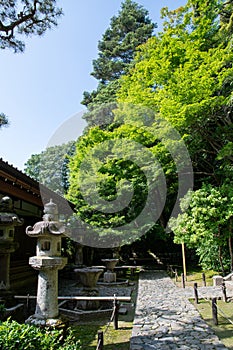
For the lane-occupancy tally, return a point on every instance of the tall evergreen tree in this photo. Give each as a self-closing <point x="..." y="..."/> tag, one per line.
<point x="127" y="31"/>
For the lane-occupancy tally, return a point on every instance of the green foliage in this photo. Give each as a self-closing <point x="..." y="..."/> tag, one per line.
<point x="108" y="177"/>
<point x="226" y="19"/>
<point x="185" y="75"/>
<point x="50" y="167"/>
<point x="207" y="225"/>
<point x="3" y="120"/>
<point x="209" y="257"/>
<point x="2" y="310"/>
<point x="101" y="115"/>
<point x="112" y="164"/>
<point x="24" y="18"/>
<point x="129" y="29"/>
<point x="111" y="174"/>
<point x="15" y="336"/>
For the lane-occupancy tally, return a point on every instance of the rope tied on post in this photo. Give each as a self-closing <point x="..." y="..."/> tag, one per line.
<point x="100" y="340"/>
<point x="216" y="309"/>
<point x="114" y="317"/>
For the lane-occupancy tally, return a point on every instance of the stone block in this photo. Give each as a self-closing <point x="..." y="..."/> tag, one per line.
<point x="217" y="280"/>
<point x="109" y="277"/>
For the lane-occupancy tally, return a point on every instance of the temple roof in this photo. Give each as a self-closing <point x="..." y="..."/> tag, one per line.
<point x="18" y="185"/>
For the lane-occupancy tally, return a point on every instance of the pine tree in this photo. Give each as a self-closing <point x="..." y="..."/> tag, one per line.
<point x="24" y="18"/>
<point x="127" y="31"/>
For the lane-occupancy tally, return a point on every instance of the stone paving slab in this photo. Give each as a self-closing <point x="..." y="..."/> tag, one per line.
<point x="166" y="320"/>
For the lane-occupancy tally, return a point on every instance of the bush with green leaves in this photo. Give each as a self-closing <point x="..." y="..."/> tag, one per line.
<point x="16" y="336"/>
<point x="207" y="225"/>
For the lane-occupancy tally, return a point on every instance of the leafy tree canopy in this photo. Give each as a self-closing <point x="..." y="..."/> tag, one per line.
<point x="24" y="18"/>
<point x="185" y="75"/>
<point x="118" y="172"/>
<point x="226" y="19"/>
<point x="207" y="225"/>
<point x="50" y="167"/>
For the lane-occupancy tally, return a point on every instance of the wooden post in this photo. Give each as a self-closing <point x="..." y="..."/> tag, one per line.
<point x="195" y="293"/>
<point x="183" y="280"/>
<point x="224" y="292"/>
<point x="215" y="311"/>
<point x="131" y="272"/>
<point x="204" y="279"/>
<point x="176" y="275"/>
<point x="28" y="300"/>
<point x="116" y="308"/>
<point x="184" y="260"/>
<point x="100" y="344"/>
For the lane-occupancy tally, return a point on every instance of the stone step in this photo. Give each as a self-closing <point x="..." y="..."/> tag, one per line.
<point x="229" y="285"/>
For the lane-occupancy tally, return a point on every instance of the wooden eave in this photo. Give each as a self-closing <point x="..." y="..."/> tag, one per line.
<point x="16" y="184"/>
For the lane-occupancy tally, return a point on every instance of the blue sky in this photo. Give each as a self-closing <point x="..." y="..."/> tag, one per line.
<point x="42" y="88"/>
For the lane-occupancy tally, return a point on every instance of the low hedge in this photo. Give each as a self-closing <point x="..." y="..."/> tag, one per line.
<point x="16" y="336"/>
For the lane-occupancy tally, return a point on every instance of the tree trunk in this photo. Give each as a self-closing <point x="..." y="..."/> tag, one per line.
<point x="220" y="259"/>
<point x="220" y="252"/>
<point x="230" y="243"/>
<point x="78" y="254"/>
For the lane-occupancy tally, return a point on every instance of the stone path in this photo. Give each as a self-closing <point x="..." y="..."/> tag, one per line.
<point x="165" y="319"/>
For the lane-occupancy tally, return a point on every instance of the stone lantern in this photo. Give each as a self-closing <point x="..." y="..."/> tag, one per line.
<point x="47" y="261"/>
<point x="8" y="221"/>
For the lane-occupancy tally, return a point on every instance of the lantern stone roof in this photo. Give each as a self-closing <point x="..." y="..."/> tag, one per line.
<point x="50" y="223"/>
<point x="45" y="228"/>
<point x="7" y="216"/>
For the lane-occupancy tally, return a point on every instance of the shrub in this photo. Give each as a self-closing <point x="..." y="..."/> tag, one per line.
<point x="16" y="336"/>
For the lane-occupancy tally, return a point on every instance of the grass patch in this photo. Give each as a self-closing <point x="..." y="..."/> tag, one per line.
<point x="113" y="339"/>
<point x="224" y="330"/>
<point x="195" y="275"/>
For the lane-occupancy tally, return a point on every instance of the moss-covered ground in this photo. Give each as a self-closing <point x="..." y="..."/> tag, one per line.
<point x="113" y="339"/>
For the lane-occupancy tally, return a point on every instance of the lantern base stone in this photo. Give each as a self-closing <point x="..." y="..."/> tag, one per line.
<point x="49" y="322"/>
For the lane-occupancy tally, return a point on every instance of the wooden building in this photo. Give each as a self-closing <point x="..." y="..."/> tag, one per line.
<point x="28" y="198"/>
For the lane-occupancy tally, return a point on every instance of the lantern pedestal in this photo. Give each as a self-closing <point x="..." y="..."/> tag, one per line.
<point x="46" y="313"/>
<point x="47" y="261"/>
